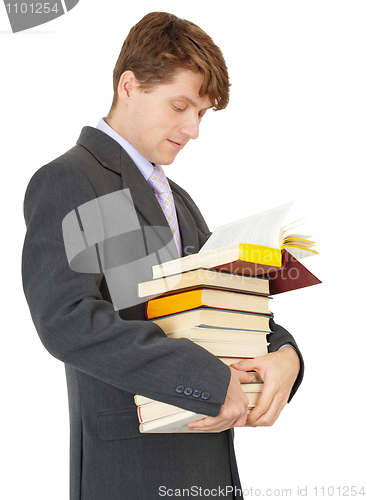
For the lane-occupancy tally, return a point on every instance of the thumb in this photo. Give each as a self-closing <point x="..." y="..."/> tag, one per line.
<point x="245" y="365"/>
<point x="242" y="368"/>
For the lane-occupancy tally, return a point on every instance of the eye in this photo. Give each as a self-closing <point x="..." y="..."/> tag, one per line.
<point x="178" y="108"/>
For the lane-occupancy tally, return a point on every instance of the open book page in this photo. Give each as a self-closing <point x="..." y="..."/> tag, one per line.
<point x="289" y="228"/>
<point x="260" y="229"/>
<point x="298" y="245"/>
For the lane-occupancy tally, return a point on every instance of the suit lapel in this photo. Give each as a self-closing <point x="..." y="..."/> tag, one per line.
<point x="113" y="157"/>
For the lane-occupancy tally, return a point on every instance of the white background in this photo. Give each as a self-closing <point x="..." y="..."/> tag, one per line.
<point x="295" y="129"/>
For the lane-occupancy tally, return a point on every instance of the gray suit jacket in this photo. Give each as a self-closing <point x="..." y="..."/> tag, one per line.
<point x="111" y="356"/>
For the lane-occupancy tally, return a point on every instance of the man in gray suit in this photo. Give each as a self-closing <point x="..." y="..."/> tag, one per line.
<point x="169" y="73"/>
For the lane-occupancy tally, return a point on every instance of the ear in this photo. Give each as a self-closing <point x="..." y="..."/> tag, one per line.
<point x="127" y="85"/>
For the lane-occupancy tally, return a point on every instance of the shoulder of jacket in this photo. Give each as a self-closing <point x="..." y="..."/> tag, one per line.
<point x="76" y="162"/>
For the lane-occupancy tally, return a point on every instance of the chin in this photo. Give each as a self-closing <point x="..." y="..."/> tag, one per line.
<point x="163" y="155"/>
<point x="166" y="159"/>
<point x="165" y="162"/>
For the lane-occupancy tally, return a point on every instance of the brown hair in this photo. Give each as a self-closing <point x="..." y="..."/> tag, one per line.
<point x="160" y="44"/>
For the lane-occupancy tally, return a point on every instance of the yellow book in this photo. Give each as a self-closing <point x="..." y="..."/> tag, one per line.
<point x="240" y="258"/>
<point x="206" y="297"/>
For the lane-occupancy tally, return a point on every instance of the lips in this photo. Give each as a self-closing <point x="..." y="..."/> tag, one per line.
<point x="174" y="143"/>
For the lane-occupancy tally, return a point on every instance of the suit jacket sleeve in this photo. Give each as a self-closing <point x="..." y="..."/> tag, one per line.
<point x="79" y="327"/>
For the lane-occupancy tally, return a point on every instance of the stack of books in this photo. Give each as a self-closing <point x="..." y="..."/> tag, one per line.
<point x="226" y="314"/>
<point x="219" y="299"/>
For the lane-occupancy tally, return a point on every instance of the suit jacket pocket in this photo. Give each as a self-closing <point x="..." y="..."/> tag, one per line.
<point x="118" y="424"/>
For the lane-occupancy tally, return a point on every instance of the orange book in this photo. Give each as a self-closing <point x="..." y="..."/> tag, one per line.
<point x="206" y="297"/>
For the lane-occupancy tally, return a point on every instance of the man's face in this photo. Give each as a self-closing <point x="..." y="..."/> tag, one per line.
<point x="162" y="121"/>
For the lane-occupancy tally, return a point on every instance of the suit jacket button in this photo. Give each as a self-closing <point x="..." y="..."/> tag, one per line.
<point x="205" y="395"/>
<point x="188" y="391"/>
<point x="180" y="389"/>
<point x="196" y="393"/>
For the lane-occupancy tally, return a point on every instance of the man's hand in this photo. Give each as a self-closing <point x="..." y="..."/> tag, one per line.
<point x="234" y="410"/>
<point x="279" y="371"/>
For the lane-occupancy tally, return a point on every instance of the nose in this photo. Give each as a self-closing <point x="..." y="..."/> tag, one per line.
<point x="190" y="128"/>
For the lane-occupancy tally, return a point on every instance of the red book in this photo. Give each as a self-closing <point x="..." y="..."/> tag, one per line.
<point x="290" y="276"/>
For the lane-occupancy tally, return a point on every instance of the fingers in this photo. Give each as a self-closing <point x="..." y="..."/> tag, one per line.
<point x="246" y="377"/>
<point x="233" y="412"/>
<point x="265" y="419"/>
<point x="262" y="406"/>
<point x="268" y="408"/>
<point x="246" y="367"/>
<point x="278" y="371"/>
<point x="227" y="418"/>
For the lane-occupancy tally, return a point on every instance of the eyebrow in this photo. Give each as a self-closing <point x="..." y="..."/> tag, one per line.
<point x="189" y="100"/>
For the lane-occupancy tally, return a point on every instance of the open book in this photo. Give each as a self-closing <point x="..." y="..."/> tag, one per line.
<point x="257" y="246"/>
<point x="263" y="229"/>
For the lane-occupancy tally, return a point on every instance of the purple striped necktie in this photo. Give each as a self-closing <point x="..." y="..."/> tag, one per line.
<point x="159" y="183"/>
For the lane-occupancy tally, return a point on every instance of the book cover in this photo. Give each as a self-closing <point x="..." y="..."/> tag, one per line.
<point x="214" y="318"/>
<point x="206" y="297"/>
